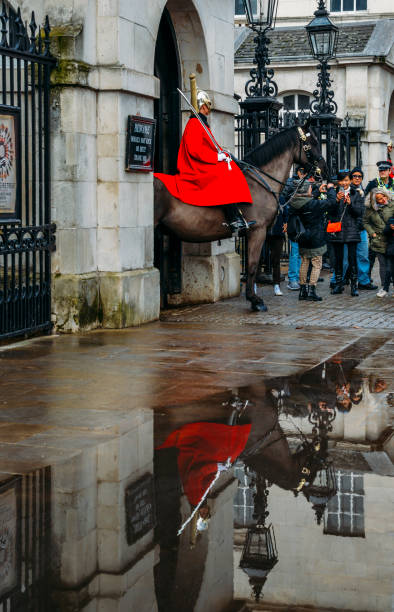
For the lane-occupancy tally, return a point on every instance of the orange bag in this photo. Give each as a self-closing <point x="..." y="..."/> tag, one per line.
<point x="334" y="227"/>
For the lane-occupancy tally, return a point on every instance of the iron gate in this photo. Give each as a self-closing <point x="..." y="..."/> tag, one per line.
<point x="27" y="235"/>
<point x="24" y="542"/>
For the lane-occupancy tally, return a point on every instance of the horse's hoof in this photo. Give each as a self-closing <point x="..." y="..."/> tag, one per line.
<point x="259" y="308"/>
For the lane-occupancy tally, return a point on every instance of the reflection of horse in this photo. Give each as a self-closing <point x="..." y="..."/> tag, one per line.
<point x="205" y="224"/>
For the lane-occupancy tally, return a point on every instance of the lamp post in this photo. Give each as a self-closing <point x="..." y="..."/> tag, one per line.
<point x="261" y="85"/>
<point x="323" y="485"/>
<point x="259" y="553"/>
<point x="323" y="40"/>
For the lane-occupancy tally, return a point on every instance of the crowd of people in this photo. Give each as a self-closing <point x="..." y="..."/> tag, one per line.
<point x="340" y="221"/>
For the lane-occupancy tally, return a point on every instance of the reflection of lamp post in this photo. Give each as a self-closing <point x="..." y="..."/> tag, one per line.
<point x="323" y="39"/>
<point x="259" y="554"/>
<point x="261" y="84"/>
<point x="324" y="485"/>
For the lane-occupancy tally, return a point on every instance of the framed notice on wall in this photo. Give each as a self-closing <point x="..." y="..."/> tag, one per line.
<point x="140" y="508"/>
<point x="140" y="147"/>
<point x="10" y="164"/>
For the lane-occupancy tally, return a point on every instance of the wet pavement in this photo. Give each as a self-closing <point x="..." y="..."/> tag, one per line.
<point x="136" y="464"/>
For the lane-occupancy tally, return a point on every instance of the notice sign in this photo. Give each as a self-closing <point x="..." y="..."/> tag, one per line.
<point x="140" y="508"/>
<point x="140" y="147"/>
<point x="9" y="162"/>
<point x="8" y="541"/>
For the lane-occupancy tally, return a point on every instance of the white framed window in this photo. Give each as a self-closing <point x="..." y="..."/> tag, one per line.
<point x="345" y="511"/>
<point x="296" y="102"/>
<point x="239" y="8"/>
<point x="338" y="6"/>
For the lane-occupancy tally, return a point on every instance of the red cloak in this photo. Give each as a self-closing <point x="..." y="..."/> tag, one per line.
<point x="201" y="447"/>
<point x="202" y="180"/>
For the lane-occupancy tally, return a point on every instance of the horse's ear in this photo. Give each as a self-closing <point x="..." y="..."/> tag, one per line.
<point x="307" y="125"/>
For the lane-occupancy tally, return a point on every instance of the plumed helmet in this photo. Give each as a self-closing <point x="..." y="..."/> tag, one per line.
<point x="203" y="98"/>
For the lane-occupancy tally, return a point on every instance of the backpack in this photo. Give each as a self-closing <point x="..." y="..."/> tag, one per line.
<point x="295" y="228"/>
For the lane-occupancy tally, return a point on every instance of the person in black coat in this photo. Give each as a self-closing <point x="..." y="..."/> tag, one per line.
<point x="349" y="210"/>
<point x="389" y="235"/>
<point x="311" y="210"/>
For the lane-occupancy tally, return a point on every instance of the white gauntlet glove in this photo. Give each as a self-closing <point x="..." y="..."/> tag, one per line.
<point x="222" y="156"/>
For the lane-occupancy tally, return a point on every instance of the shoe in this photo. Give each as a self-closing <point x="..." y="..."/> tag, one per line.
<point x="382" y="293"/>
<point x="303" y="295"/>
<point x="368" y="287"/>
<point x="312" y="295"/>
<point x="332" y="284"/>
<point x="353" y="289"/>
<point x="293" y="286"/>
<point x="277" y="290"/>
<point x="337" y="289"/>
<point x="320" y="280"/>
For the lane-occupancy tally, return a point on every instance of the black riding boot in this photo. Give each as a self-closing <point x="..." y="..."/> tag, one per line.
<point x="303" y="295"/>
<point x="312" y="295"/>
<point x="235" y="220"/>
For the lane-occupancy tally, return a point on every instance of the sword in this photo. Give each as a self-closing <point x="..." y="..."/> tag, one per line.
<point x="211" y="138"/>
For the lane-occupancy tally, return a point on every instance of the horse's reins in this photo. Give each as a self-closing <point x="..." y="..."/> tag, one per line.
<point x="257" y="173"/>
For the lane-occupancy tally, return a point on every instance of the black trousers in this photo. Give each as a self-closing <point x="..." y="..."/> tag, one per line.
<point x="337" y="258"/>
<point x="389" y="275"/>
<point x="275" y="244"/>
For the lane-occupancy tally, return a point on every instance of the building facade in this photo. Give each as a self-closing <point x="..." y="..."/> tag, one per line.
<point x="110" y="66"/>
<point x="362" y="72"/>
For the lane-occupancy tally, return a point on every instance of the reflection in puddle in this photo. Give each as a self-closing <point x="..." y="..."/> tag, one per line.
<point x="282" y="489"/>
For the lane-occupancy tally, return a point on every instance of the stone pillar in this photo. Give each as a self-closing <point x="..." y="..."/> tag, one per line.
<point x="93" y="567"/>
<point x="103" y="272"/>
<point x="378" y="136"/>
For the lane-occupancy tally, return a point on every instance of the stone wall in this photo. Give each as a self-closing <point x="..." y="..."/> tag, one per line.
<point x="103" y="272"/>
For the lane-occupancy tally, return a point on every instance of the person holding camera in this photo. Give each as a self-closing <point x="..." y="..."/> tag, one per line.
<point x="311" y="211"/>
<point x="344" y="229"/>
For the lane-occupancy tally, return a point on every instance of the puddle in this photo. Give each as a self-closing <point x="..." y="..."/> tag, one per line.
<point x="281" y="489"/>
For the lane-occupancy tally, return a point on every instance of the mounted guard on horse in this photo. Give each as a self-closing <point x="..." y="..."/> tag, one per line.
<point x="210" y="197"/>
<point x="206" y="174"/>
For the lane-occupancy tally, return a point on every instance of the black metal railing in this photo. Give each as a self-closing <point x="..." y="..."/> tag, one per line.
<point x="25" y="540"/>
<point x="27" y="235"/>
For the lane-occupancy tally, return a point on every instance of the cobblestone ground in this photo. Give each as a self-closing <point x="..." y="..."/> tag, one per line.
<point x="335" y="311"/>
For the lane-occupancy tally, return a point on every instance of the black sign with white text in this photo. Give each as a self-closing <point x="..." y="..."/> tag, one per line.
<point x="140" y="508"/>
<point x="140" y="143"/>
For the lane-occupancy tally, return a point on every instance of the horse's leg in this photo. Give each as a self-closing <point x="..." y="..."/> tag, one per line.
<point x="255" y="244"/>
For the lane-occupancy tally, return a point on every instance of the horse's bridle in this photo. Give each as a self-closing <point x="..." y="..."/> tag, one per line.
<point x="313" y="168"/>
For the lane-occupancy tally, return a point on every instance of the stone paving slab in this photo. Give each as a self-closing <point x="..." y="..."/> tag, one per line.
<point x="335" y="311"/>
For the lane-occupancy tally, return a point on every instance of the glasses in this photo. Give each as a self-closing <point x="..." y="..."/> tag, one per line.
<point x="357" y="176"/>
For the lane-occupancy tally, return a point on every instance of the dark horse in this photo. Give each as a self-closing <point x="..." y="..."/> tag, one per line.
<point x="274" y="159"/>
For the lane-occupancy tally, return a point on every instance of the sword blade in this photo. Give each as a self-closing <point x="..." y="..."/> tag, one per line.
<point x="218" y="149"/>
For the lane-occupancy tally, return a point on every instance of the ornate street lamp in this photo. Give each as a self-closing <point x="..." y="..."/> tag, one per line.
<point x="323" y="485"/>
<point x="323" y="39"/>
<point x="259" y="553"/>
<point x="261" y="84"/>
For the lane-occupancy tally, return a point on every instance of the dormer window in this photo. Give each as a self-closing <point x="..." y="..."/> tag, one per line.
<point x="338" y="6"/>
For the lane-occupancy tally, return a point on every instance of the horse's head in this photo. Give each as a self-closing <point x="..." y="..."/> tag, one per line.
<point x="309" y="153"/>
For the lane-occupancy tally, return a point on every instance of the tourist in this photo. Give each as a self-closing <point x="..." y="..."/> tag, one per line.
<point x="311" y="210"/>
<point x="379" y="210"/>
<point x="348" y="211"/>
<point x="389" y="235"/>
<point x="275" y="240"/>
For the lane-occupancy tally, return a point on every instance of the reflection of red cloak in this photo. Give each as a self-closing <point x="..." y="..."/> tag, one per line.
<point x="201" y="447"/>
<point x="201" y="179"/>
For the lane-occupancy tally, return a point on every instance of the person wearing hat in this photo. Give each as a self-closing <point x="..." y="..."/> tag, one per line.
<point x="379" y="210"/>
<point x="364" y="280"/>
<point x="311" y="208"/>
<point x="206" y="175"/>
<point x="384" y="180"/>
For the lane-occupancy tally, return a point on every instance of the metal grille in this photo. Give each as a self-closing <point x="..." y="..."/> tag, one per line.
<point x="345" y="511"/>
<point x="24" y="554"/>
<point x="26" y="235"/>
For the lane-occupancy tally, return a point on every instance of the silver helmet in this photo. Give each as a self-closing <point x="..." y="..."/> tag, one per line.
<point x="203" y="98"/>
